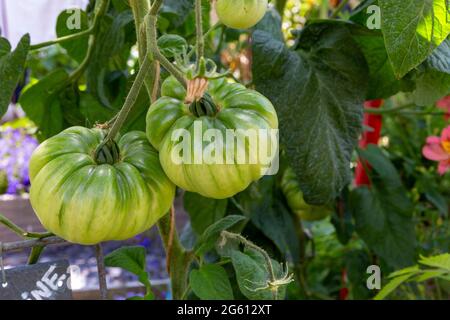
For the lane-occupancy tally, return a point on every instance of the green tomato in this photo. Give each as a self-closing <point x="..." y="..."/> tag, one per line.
<point x="236" y="107"/>
<point x="294" y="197"/>
<point x="3" y="182"/>
<point x="241" y="14"/>
<point x="86" y="202"/>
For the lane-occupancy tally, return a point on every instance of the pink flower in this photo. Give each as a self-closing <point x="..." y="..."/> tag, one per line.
<point x="444" y="104"/>
<point x="438" y="149"/>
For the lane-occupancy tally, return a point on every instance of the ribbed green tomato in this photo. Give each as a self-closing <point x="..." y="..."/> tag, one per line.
<point x="294" y="197"/>
<point x="241" y="14"/>
<point x="236" y="107"/>
<point x="87" y="203"/>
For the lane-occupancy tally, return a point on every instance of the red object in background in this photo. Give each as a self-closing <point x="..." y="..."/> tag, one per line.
<point x="375" y="122"/>
<point x="444" y="104"/>
<point x="343" y="292"/>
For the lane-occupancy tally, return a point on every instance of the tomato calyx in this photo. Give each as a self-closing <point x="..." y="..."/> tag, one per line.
<point x="107" y="153"/>
<point x="204" y="107"/>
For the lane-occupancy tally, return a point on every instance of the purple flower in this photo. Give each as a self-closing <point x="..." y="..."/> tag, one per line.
<point x="16" y="148"/>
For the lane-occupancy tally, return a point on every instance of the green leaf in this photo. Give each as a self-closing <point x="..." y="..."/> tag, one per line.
<point x="383" y="213"/>
<point x="266" y="209"/>
<point x="66" y="25"/>
<point x="440" y="58"/>
<point x="12" y="65"/>
<point x="172" y="45"/>
<point x="271" y="23"/>
<point x="431" y="85"/>
<point x="93" y="110"/>
<point x="176" y="11"/>
<point x="211" y="282"/>
<point x="130" y="258"/>
<point x="252" y="275"/>
<point x="382" y="81"/>
<point x="203" y="211"/>
<point x="41" y="103"/>
<point x="391" y="286"/>
<point x="440" y="261"/>
<point x="318" y="91"/>
<point x="208" y="239"/>
<point x="412" y="30"/>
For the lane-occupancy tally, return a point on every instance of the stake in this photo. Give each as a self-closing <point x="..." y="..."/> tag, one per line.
<point x="101" y="272"/>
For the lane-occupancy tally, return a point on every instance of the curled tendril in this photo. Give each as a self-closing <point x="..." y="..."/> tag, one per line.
<point x="285" y="279"/>
<point x="206" y="68"/>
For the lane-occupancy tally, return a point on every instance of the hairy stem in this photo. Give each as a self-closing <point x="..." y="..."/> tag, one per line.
<point x="129" y="101"/>
<point x="199" y="30"/>
<point x="179" y="258"/>
<point x="153" y="49"/>
<point x="21" y="232"/>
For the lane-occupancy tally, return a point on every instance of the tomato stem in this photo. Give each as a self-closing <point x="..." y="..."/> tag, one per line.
<point x="199" y="29"/>
<point x="130" y="100"/>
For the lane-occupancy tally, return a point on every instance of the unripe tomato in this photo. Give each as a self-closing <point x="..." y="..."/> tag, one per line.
<point x="87" y="202"/>
<point x="294" y="196"/>
<point x="241" y="14"/>
<point x="236" y="110"/>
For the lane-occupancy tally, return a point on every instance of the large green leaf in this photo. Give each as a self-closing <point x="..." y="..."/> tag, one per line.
<point x="412" y="30"/>
<point x="203" y="211"/>
<point x="211" y="282"/>
<point x="382" y="81"/>
<point x="76" y="48"/>
<point x="41" y="103"/>
<point x="12" y="65"/>
<point x="383" y="213"/>
<point x="318" y="91"/>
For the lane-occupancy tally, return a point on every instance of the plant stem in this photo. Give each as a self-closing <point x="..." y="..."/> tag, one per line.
<point x="214" y="27"/>
<point x="140" y="9"/>
<point x="101" y="272"/>
<point x="129" y="101"/>
<point x="21" y="232"/>
<point x="179" y="260"/>
<point x="339" y="8"/>
<point x="20" y="245"/>
<point x="388" y="110"/>
<point x="199" y="29"/>
<point x="35" y="254"/>
<point x="253" y="246"/>
<point x="153" y="49"/>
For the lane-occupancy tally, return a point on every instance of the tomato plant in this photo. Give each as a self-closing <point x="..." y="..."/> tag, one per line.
<point x="134" y="109"/>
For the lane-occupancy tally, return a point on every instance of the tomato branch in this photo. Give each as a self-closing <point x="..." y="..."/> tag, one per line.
<point x="199" y="29"/>
<point x="130" y="100"/>
<point x="21" y="232"/>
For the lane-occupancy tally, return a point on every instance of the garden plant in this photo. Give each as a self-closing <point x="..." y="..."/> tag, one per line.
<point x="309" y="142"/>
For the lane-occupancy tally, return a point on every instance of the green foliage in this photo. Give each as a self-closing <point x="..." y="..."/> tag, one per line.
<point x="322" y="85"/>
<point x="12" y="65"/>
<point x="440" y="269"/>
<point x="383" y="213"/>
<point x="210" y="282"/>
<point x="131" y="259"/>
